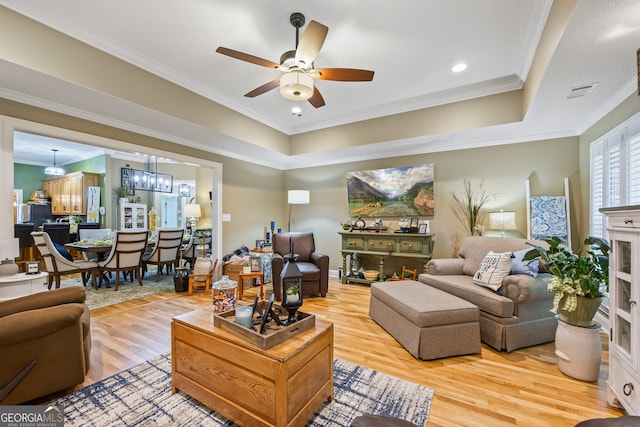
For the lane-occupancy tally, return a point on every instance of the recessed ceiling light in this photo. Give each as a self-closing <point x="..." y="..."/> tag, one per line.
<point x="296" y="111"/>
<point x="459" y="67"/>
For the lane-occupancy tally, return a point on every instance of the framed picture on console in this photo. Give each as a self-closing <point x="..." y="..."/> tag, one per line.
<point x="414" y="223"/>
<point x="423" y="228"/>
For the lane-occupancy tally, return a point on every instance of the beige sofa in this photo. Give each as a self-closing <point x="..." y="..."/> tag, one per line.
<point x="45" y="343"/>
<point x="517" y="314"/>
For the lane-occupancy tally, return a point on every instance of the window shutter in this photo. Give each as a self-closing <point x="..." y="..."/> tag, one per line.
<point x="634" y="170"/>
<point x="597" y="190"/>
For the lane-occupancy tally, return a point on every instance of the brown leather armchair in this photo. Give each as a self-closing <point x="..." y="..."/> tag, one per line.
<point x="313" y="265"/>
<point x="45" y="343"/>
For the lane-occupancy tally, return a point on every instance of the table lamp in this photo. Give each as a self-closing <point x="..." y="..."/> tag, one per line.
<point x="9" y="250"/>
<point x="193" y="211"/>
<point x="502" y="221"/>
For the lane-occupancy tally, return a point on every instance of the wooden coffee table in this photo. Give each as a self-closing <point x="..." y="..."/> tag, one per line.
<point x="280" y="386"/>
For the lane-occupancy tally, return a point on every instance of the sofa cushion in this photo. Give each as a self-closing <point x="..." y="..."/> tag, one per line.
<point x="493" y="268"/>
<point x="518" y="266"/>
<point x="463" y="287"/>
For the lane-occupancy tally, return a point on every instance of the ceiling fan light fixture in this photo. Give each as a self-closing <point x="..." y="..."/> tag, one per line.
<point x="296" y="85"/>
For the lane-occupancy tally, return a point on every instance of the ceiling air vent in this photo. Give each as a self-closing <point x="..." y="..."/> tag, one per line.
<point x="578" y="91"/>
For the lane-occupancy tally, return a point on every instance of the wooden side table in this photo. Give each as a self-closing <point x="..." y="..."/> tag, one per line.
<point x="252" y="275"/>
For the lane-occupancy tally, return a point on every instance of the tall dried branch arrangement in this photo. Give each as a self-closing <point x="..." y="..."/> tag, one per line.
<point x="468" y="207"/>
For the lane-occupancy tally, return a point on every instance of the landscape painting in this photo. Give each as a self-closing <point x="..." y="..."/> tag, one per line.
<point x="393" y="192"/>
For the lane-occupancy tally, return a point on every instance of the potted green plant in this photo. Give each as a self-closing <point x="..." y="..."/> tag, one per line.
<point x="123" y="194"/>
<point x="579" y="279"/>
<point x="293" y="294"/>
<point x="246" y="267"/>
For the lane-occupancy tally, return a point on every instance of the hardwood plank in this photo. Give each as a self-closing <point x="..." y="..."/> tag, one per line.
<point x="523" y="388"/>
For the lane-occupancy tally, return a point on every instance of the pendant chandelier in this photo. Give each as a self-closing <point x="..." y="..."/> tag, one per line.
<point x="54" y="170"/>
<point x="147" y="180"/>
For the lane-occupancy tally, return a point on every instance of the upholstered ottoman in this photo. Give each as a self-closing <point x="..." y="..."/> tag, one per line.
<point x="428" y="322"/>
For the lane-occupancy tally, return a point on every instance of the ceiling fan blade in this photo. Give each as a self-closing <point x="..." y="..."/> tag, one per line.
<point x="344" y="74"/>
<point x="316" y="99"/>
<point x="262" y="89"/>
<point x="310" y="43"/>
<point x="246" y="57"/>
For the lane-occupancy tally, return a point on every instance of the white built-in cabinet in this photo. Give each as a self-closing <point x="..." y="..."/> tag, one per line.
<point x="133" y="216"/>
<point x="623" y="225"/>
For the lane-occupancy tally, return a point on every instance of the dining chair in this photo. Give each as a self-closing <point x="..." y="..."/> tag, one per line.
<point x="25" y="241"/>
<point x="57" y="265"/>
<point x="125" y="256"/>
<point x="58" y="231"/>
<point x="165" y="252"/>
<point x="189" y="251"/>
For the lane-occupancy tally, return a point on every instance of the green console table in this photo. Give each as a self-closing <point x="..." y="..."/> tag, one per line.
<point x="383" y="246"/>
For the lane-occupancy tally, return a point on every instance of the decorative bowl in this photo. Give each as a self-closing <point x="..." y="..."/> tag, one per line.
<point x="371" y="274"/>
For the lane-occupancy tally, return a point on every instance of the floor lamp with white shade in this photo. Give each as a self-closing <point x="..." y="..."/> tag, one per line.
<point x="297" y="197"/>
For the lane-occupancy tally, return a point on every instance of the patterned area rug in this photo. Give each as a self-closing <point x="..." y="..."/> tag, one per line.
<point x="141" y="396"/>
<point x="127" y="290"/>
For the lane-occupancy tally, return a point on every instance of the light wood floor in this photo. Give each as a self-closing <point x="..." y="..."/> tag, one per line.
<point x="493" y="388"/>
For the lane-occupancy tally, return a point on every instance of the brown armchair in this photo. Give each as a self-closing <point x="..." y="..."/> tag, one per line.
<point x="313" y="265"/>
<point x="45" y="343"/>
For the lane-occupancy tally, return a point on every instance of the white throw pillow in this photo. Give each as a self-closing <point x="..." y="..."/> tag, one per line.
<point x="493" y="268"/>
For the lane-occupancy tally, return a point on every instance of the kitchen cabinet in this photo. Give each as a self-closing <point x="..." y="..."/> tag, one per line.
<point x="69" y="192"/>
<point x="623" y="225"/>
<point x="383" y="247"/>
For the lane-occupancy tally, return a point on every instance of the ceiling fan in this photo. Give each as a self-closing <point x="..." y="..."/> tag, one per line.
<point x="297" y="65"/>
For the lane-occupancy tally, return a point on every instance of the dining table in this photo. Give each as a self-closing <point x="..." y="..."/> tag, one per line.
<point x="98" y="247"/>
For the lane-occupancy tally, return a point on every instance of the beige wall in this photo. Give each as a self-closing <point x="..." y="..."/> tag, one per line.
<point x="253" y="196"/>
<point x="504" y="170"/>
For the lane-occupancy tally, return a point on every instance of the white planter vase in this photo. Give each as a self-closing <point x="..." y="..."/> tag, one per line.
<point x="246" y="270"/>
<point x="579" y="351"/>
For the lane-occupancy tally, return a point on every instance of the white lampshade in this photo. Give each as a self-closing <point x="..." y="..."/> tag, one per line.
<point x="503" y="220"/>
<point x="298" y="197"/>
<point x="192" y="211"/>
<point x="9" y="249"/>
<point x="296" y="85"/>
